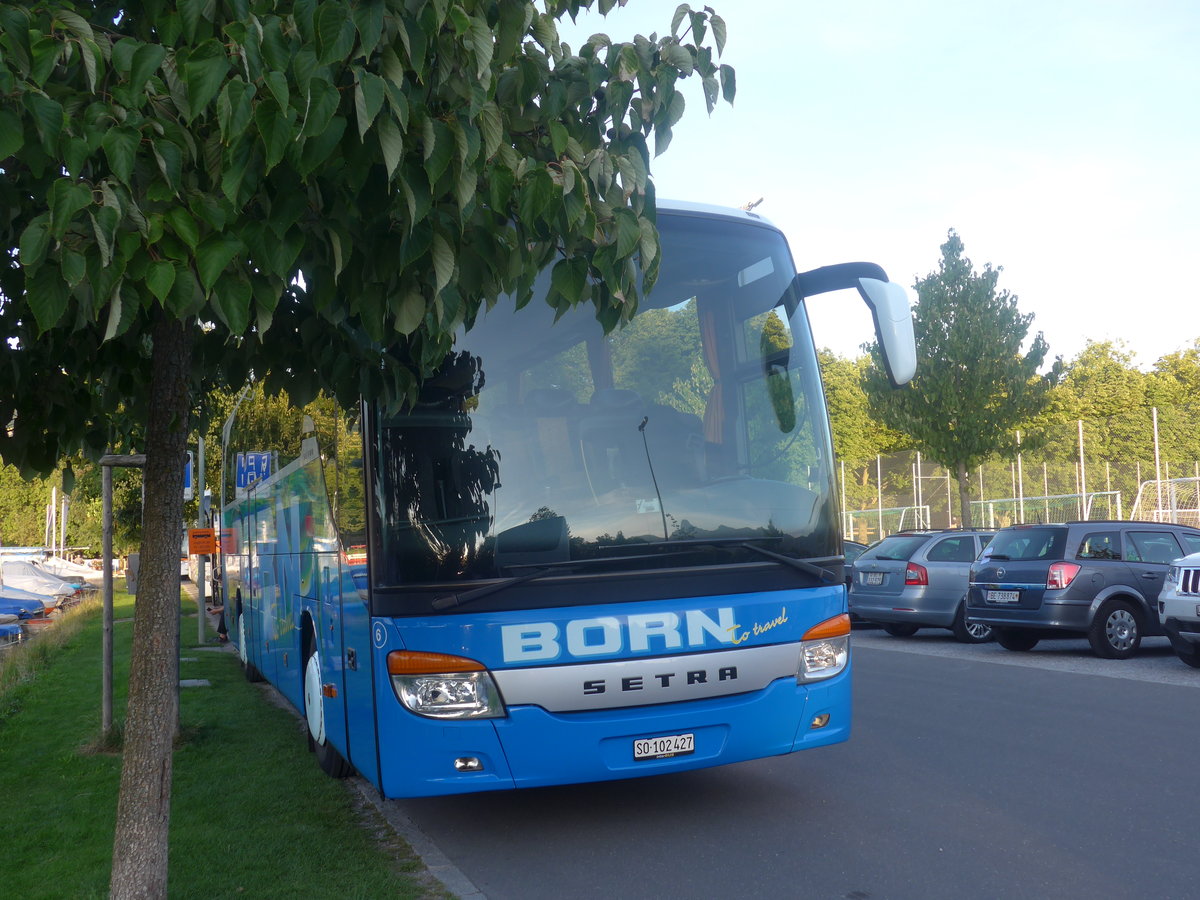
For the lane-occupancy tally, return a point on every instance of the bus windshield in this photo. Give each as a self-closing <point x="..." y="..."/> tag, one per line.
<point x="675" y="441"/>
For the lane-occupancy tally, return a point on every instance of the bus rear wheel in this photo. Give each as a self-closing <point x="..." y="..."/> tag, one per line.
<point x="331" y="762"/>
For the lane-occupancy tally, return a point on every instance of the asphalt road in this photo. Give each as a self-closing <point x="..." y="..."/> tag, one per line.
<point x="972" y="772"/>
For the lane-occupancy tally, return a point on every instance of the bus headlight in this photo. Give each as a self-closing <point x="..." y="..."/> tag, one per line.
<point x="825" y="649"/>
<point x="441" y="686"/>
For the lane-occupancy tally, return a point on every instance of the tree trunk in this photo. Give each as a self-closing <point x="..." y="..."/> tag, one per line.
<point x="152" y="715"/>
<point x="964" y="496"/>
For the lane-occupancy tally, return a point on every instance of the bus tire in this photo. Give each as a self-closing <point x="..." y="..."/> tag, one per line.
<point x="251" y="671"/>
<point x="330" y="761"/>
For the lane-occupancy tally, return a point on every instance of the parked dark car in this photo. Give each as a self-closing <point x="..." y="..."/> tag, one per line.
<point x="1099" y="579"/>
<point x="917" y="579"/>
<point x="852" y="550"/>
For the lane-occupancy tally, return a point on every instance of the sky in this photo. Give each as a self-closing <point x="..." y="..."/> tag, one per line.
<point x="1059" y="138"/>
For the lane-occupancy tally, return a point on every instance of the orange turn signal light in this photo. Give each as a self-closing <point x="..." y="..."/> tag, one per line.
<point x="410" y="662"/>
<point x="835" y="627"/>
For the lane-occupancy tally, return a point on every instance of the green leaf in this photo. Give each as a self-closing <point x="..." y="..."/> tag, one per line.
<point x="232" y="301"/>
<point x="160" y="278"/>
<point x="391" y="142"/>
<point x="234" y="109"/>
<point x="184" y="226"/>
<point x="481" y="39"/>
<point x="74" y="267"/>
<point x="569" y="277"/>
<point x="170" y="162"/>
<point x="410" y="313"/>
<point x="67" y="197"/>
<point x="680" y="14"/>
<point x="678" y="57"/>
<point x="718" y="30"/>
<point x="628" y="232"/>
<point x="368" y="19"/>
<point x="277" y="84"/>
<point x="275" y="132"/>
<point x="203" y="72"/>
<point x="335" y="32"/>
<point x="443" y="261"/>
<point x="491" y="127"/>
<point x="35" y="240"/>
<point x="213" y="256"/>
<point x="145" y="62"/>
<point x="323" y="100"/>
<point x="368" y="100"/>
<point x="120" y="146"/>
<point x="47" y="295"/>
<point x="47" y="116"/>
<point x="728" y="83"/>
<point x="12" y="138"/>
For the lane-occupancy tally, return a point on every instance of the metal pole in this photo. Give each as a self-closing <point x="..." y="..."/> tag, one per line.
<point x="106" y="652"/>
<point x="845" y="512"/>
<point x="1082" y="475"/>
<point x="879" y="491"/>
<point x="1157" y="462"/>
<point x="200" y="523"/>
<point x="921" y="493"/>
<point x="1020" y="484"/>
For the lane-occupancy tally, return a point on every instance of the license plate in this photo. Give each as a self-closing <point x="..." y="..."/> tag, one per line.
<point x="664" y="747"/>
<point x="1003" y="596"/>
<point x="872" y="578"/>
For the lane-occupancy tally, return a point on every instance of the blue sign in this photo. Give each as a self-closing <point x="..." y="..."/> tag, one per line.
<point x="252" y="468"/>
<point x="187" y="477"/>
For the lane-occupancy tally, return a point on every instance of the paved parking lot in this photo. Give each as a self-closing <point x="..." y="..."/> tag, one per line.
<point x="1155" y="662"/>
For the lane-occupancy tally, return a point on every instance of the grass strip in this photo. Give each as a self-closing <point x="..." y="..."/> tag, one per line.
<point x="251" y="815"/>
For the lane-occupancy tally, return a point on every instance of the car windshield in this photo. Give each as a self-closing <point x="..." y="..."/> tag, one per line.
<point x="1028" y="544"/>
<point x="897" y="547"/>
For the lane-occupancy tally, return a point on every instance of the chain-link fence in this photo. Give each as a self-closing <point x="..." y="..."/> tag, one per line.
<point x="1075" y="475"/>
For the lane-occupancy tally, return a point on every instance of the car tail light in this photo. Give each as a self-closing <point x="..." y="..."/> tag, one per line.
<point x="1061" y="575"/>
<point x="916" y="574"/>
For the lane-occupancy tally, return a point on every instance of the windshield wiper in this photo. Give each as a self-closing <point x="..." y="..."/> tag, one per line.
<point x="541" y="570"/>
<point x="802" y="565"/>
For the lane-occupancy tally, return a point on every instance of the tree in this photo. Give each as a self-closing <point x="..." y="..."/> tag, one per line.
<point x="974" y="387"/>
<point x="858" y="436"/>
<point x="322" y="191"/>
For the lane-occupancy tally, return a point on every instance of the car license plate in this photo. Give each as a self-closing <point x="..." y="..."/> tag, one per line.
<point x="664" y="747"/>
<point x="872" y="578"/>
<point x="1003" y="596"/>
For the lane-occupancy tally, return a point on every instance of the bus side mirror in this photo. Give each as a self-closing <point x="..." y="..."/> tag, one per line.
<point x="889" y="308"/>
<point x="893" y="326"/>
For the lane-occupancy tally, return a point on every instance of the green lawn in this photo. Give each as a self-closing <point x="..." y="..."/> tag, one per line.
<point x="251" y="815"/>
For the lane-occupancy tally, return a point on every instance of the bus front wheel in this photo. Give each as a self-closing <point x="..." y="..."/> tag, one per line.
<point x="330" y="761"/>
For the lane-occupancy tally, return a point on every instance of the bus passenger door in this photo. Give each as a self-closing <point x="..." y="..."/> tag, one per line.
<point x="358" y="656"/>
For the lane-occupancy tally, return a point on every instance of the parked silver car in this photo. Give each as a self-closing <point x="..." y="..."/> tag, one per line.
<point x="1179" y="608"/>
<point x="917" y="579"/>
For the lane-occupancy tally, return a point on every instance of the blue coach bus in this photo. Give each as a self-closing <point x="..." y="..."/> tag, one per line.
<point x="579" y="556"/>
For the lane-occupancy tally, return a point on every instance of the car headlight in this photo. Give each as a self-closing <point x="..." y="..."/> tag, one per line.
<point x="1173" y="575"/>
<point x="441" y="686"/>
<point x="825" y="649"/>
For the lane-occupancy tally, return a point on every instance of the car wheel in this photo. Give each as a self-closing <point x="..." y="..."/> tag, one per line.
<point x="900" y="629"/>
<point x="331" y="762"/>
<point x="1116" y="632"/>
<point x="975" y="633"/>
<point x="1018" y="641"/>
